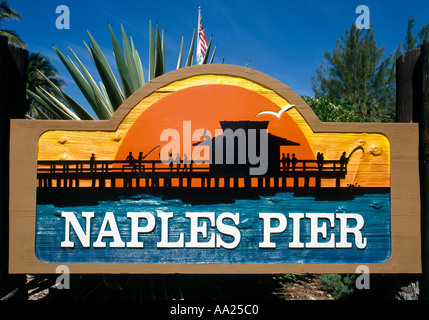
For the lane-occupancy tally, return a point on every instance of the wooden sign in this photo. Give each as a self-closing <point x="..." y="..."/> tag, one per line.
<point x="214" y="169"/>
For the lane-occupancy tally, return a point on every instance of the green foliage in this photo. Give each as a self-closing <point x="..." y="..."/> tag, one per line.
<point x="411" y="41"/>
<point x="358" y="78"/>
<point x="424" y="34"/>
<point x="346" y="111"/>
<point x="356" y="72"/>
<point x="104" y="98"/>
<point x="38" y="63"/>
<point x="340" y="286"/>
<point x="41" y="75"/>
<point x="7" y="13"/>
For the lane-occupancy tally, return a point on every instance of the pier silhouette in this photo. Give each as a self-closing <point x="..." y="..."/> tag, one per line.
<point x="193" y="181"/>
<point x="109" y="178"/>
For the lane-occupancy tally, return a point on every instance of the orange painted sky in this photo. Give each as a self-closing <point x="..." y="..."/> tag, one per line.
<point x="204" y="101"/>
<point x="205" y="106"/>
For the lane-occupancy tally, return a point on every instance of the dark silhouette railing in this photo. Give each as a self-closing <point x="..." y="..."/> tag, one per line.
<point x="149" y="173"/>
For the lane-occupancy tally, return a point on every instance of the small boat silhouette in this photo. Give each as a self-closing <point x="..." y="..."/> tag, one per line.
<point x="376" y="205"/>
<point x="340" y="210"/>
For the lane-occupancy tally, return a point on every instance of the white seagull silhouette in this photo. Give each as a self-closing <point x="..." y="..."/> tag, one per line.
<point x="277" y="114"/>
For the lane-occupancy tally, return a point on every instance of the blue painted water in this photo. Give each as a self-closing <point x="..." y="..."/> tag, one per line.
<point x="374" y="209"/>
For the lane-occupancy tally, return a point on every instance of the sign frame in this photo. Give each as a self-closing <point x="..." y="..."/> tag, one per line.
<point x="405" y="188"/>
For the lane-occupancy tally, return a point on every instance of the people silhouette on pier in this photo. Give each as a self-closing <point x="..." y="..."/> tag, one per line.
<point x="177" y="161"/>
<point x="140" y="160"/>
<point x="343" y="160"/>
<point x="92" y="163"/>
<point x="320" y="160"/>
<point x="294" y="161"/>
<point x="286" y="162"/>
<point x="286" y="171"/>
<point x="170" y="162"/>
<point x="131" y="161"/>
<point x="185" y="163"/>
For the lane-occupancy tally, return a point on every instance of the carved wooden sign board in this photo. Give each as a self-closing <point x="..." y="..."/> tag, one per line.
<point x="214" y="169"/>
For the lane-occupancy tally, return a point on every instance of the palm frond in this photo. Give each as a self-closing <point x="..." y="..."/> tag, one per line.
<point x="7" y="13"/>
<point x="13" y="37"/>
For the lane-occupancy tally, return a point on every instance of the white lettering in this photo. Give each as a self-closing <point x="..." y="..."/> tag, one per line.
<point x="345" y="229"/>
<point x="208" y="230"/>
<point x="197" y="229"/>
<point x="135" y="229"/>
<point x="316" y="230"/>
<point x="109" y="220"/>
<point x="268" y="229"/>
<point x="296" y="220"/>
<point x="71" y="219"/>
<point x="164" y="243"/>
<point x="228" y="230"/>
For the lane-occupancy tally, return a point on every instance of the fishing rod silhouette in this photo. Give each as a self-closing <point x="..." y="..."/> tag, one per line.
<point x="132" y="161"/>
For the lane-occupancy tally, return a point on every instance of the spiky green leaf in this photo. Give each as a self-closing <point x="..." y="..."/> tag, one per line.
<point x="103" y="89"/>
<point x="124" y="74"/>
<point x="151" y="52"/>
<point x="179" y="60"/>
<point x="158" y="54"/>
<point x="213" y="55"/>
<point x="76" y="107"/>
<point x="61" y="106"/>
<point x="206" y="56"/>
<point x="104" y="109"/>
<point x="39" y="112"/>
<point x="79" y="79"/>
<point x="115" y="94"/>
<point x="132" y="69"/>
<point x="163" y="52"/>
<point x="44" y="101"/>
<point x="138" y="63"/>
<point x="45" y="105"/>
<point x="191" y="51"/>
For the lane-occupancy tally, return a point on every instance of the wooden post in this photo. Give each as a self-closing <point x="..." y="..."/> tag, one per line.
<point x="412" y="105"/>
<point x="408" y="70"/>
<point x="13" y="75"/>
<point x="424" y="165"/>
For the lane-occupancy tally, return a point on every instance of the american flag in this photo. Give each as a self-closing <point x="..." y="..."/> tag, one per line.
<point x="202" y="41"/>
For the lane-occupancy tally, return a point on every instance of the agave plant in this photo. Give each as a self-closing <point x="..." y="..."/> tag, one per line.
<point x="106" y="96"/>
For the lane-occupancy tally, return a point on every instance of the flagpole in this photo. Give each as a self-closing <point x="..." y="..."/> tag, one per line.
<point x="198" y="32"/>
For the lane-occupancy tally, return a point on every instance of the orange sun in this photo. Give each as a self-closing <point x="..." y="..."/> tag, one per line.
<point x="205" y="106"/>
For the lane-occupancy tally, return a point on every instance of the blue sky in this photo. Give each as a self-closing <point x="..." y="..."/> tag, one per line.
<point x="284" y="39"/>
